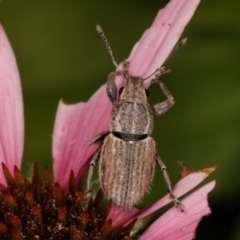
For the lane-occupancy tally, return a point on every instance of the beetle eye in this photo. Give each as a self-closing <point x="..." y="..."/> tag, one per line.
<point x="120" y="90"/>
<point x="147" y="92"/>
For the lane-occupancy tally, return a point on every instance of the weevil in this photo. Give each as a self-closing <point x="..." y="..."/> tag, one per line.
<point x="128" y="152"/>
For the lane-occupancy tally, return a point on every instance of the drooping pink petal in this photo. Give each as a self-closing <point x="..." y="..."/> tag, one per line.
<point x="157" y="42"/>
<point x="11" y="108"/>
<point x="188" y="180"/>
<point x="181" y="225"/>
<point x="74" y="125"/>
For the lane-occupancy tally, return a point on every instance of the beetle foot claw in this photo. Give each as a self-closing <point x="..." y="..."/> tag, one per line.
<point x="178" y="204"/>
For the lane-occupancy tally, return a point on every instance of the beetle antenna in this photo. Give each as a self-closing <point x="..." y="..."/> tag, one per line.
<point x="162" y="70"/>
<point x="159" y="72"/>
<point x="107" y="45"/>
<point x="176" y="48"/>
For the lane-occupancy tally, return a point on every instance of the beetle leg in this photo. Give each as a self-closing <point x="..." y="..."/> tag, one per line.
<point x="89" y="177"/>
<point x="161" y="71"/>
<point x="162" y="107"/>
<point x="176" y="48"/>
<point x="176" y="201"/>
<point x="112" y="91"/>
<point x="98" y="138"/>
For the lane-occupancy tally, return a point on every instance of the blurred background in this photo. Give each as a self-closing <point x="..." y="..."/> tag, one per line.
<point x="60" y="55"/>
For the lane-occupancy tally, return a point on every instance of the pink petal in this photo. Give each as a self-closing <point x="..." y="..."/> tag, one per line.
<point x="11" y="108"/>
<point x="187" y="182"/>
<point x="157" y="42"/>
<point x="74" y="125"/>
<point x="181" y="225"/>
<point x="121" y="217"/>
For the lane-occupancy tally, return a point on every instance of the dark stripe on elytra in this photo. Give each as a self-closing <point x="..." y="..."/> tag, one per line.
<point x="127" y="163"/>
<point x="110" y="166"/>
<point x="137" y="165"/>
<point x="108" y="178"/>
<point x="124" y="194"/>
<point x="104" y="167"/>
<point x="114" y="164"/>
<point x="130" y="172"/>
<point x="113" y="182"/>
<point x="138" y="158"/>
<point x="117" y="185"/>
<point x="133" y="181"/>
<point x="144" y="168"/>
<point x="141" y="167"/>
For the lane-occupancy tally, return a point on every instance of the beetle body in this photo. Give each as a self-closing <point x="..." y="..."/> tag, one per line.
<point x="127" y="158"/>
<point x="128" y="153"/>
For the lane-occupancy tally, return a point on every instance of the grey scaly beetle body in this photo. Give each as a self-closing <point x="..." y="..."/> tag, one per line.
<point x="127" y="158"/>
<point x="128" y="152"/>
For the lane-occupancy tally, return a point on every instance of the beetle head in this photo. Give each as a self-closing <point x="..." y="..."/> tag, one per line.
<point x="133" y="90"/>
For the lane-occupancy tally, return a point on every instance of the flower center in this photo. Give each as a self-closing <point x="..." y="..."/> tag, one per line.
<point x="40" y="210"/>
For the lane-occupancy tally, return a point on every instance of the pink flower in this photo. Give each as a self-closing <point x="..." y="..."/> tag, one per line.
<point x="70" y="148"/>
<point x="11" y="108"/>
<point x="77" y="123"/>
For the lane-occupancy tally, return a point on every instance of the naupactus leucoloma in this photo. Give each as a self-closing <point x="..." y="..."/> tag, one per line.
<point x="128" y="152"/>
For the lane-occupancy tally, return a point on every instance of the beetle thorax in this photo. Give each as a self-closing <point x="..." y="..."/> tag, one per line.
<point x="133" y="90"/>
<point x="132" y="114"/>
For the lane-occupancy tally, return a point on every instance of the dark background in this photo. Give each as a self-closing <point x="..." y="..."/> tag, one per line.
<point x="60" y="55"/>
